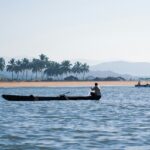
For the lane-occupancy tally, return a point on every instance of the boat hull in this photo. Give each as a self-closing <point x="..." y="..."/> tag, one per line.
<point x="145" y="85"/>
<point x="43" y="98"/>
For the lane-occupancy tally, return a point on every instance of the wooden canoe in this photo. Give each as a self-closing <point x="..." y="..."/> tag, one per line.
<point x="48" y="98"/>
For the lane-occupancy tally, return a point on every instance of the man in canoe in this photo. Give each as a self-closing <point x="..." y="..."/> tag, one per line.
<point x="95" y="91"/>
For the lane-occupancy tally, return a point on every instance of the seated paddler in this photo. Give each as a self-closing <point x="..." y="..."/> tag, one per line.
<point x="95" y="91"/>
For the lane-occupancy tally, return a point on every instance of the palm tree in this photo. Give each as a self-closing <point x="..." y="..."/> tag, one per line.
<point x="43" y="62"/>
<point x="84" y="69"/>
<point x="2" y="63"/>
<point x="36" y="66"/>
<point x="65" y="67"/>
<point x="76" y="69"/>
<point x="43" y="57"/>
<point x="18" y="68"/>
<point x="53" y="69"/>
<point x="11" y="66"/>
<point x="25" y="67"/>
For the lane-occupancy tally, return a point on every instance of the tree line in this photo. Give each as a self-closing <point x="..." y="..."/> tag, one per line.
<point x="42" y="68"/>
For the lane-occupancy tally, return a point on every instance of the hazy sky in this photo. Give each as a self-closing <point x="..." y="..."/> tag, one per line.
<point x="103" y="30"/>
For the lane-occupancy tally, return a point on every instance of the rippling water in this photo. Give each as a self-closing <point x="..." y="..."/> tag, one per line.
<point x="120" y="120"/>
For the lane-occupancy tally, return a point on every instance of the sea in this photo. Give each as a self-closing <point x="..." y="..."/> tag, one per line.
<point x="119" y="121"/>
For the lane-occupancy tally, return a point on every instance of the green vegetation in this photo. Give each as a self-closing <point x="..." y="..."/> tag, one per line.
<point x="39" y="69"/>
<point x="2" y="64"/>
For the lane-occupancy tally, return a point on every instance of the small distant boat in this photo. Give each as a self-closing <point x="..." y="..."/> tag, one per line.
<point x="142" y="85"/>
<point x="49" y="98"/>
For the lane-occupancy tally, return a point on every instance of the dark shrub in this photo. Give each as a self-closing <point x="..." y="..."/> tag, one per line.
<point x="71" y="78"/>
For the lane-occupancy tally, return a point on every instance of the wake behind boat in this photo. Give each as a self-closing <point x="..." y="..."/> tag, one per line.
<point x="48" y="98"/>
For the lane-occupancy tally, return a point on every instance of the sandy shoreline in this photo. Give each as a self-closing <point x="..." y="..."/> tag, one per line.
<point x="64" y="83"/>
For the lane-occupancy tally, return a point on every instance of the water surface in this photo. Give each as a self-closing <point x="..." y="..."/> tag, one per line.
<point x="120" y="120"/>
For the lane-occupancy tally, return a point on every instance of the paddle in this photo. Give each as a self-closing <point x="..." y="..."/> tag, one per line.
<point x="63" y="95"/>
<point x="66" y="93"/>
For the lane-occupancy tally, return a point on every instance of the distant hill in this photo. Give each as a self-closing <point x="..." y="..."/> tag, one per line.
<point x="123" y="67"/>
<point x="105" y="74"/>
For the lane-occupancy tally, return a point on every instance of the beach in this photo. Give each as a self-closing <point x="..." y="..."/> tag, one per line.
<point x="65" y="83"/>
